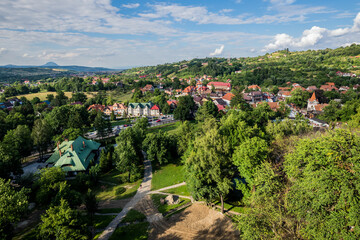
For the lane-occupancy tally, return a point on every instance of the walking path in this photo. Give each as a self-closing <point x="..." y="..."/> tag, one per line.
<point x="143" y="191"/>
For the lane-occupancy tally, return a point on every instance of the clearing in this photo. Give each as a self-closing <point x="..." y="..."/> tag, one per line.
<point x="168" y="175"/>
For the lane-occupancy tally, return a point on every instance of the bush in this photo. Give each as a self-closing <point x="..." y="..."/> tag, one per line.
<point x="120" y="190"/>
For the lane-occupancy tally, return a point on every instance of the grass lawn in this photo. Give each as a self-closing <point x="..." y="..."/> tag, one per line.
<point x="232" y="207"/>
<point x="166" y="208"/>
<point x="114" y="176"/>
<point x="109" y="210"/>
<point x="101" y="221"/>
<point x="167" y="175"/>
<point x="182" y="190"/>
<point x="122" y="97"/>
<point x="137" y="231"/>
<point x="107" y="191"/>
<point x="42" y="95"/>
<point x="133" y="216"/>
<point x="169" y="127"/>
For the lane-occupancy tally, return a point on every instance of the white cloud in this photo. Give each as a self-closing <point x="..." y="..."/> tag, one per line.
<point x="131" y="5"/>
<point x="238" y="1"/>
<point x="311" y="37"/>
<point x="286" y="12"/>
<point x="218" y="51"/>
<point x="93" y="16"/>
<point x="2" y="50"/>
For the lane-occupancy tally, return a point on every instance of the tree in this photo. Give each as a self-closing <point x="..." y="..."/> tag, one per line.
<point x="299" y="98"/>
<point x="60" y="99"/>
<point x="159" y="147"/>
<point x="208" y="168"/>
<point x="324" y="180"/>
<point x="239" y="102"/>
<point x="250" y="154"/>
<point x="69" y="133"/>
<point x="106" y="160"/>
<point x="61" y="222"/>
<point x="127" y="152"/>
<point x="41" y="135"/>
<point x="102" y="125"/>
<point x="50" y="97"/>
<point x="35" y="101"/>
<point x="184" y="137"/>
<point x="79" y="97"/>
<point x="112" y="116"/>
<point x="13" y="205"/>
<point x="185" y="108"/>
<point x="209" y="109"/>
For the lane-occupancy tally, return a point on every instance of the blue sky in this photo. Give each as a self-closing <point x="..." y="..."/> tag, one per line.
<point x="136" y="33"/>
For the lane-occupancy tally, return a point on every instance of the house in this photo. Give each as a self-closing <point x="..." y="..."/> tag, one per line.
<point x="198" y="101"/>
<point x="147" y="88"/>
<point x="74" y="156"/>
<point x="284" y="94"/>
<point x="219" y="86"/>
<point x="172" y="103"/>
<point x="96" y="107"/>
<point x="314" y="104"/>
<point x="155" y="110"/>
<point x="108" y="110"/>
<point x="140" y="109"/>
<point x="253" y="97"/>
<point x="254" y="88"/>
<point x="328" y="88"/>
<point x="190" y="90"/>
<point x="311" y="88"/>
<point x="219" y="101"/>
<point x="274" y="105"/>
<point x="227" y="98"/>
<point x="119" y="109"/>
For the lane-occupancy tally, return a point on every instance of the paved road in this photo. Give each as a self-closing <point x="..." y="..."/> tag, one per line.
<point x="142" y="192"/>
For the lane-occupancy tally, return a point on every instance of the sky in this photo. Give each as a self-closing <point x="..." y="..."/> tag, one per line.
<point x="117" y="34"/>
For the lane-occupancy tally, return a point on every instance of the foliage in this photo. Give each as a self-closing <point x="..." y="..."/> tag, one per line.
<point x="102" y="125"/>
<point x="209" y="109"/>
<point x="61" y="222"/>
<point x="41" y="135"/>
<point x="324" y="186"/>
<point x="160" y="147"/>
<point x="185" y="108"/>
<point x="288" y="127"/>
<point x="207" y="165"/>
<point x="13" y="205"/>
<point x="299" y="98"/>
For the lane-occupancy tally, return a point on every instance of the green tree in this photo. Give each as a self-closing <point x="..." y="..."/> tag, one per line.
<point x="41" y="135"/>
<point x="128" y="159"/>
<point x="250" y="154"/>
<point x="20" y="140"/>
<point x="185" y="108"/>
<point x="13" y="205"/>
<point x="102" y="125"/>
<point x="208" y="168"/>
<point x="60" y="99"/>
<point x="159" y="147"/>
<point x="209" y="109"/>
<point x="69" y="133"/>
<point x="61" y="222"/>
<point x="299" y="98"/>
<point x="79" y="97"/>
<point x="324" y="179"/>
<point x="239" y="102"/>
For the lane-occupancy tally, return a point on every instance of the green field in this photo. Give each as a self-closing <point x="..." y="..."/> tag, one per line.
<point x="133" y="216"/>
<point x="101" y="221"/>
<point x="182" y="190"/>
<point x="121" y="97"/>
<point x="167" y="175"/>
<point x="108" y="192"/>
<point x="42" y="95"/>
<point x="137" y="231"/>
<point x="170" y="128"/>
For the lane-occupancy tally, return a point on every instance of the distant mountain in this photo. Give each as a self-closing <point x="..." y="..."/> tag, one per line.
<point x="50" y="64"/>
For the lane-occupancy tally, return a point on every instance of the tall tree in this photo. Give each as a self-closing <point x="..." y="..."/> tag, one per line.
<point x="185" y="108"/>
<point x="102" y="125"/>
<point x="41" y="135"/>
<point x="208" y="167"/>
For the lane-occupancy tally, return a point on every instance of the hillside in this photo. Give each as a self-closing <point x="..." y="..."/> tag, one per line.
<point x="306" y="67"/>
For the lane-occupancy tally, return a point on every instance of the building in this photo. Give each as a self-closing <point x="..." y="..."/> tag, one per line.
<point x="254" y="88"/>
<point x="314" y="104"/>
<point x="96" y="107"/>
<point x="155" y="110"/>
<point x="147" y="88"/>
<point x="74" y="156"/>
<point x="119" y="109"/>
<point x="219" y="86"/>
<point x="141" y="109"/>
<point x="227" y="98"/>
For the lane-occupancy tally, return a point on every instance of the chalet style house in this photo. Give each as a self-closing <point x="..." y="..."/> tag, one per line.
<point x="219" y="86"/>
<point x="143" y="109"/>
<point x="118" y="108"/>
<point x="74" y="156"/>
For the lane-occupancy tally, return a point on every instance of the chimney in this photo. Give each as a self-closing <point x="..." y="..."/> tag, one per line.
<point x="60" y="152"/>
<point x="72" y="149"/>
<point x="83" y="144"/>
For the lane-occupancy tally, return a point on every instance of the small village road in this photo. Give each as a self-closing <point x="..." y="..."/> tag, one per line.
<point x="142" y="192"/>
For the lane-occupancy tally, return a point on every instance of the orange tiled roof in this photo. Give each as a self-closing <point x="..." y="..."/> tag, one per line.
<point x="228" y="96"/>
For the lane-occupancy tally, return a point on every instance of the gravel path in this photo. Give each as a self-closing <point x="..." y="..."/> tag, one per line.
<point x="142" y="192"/>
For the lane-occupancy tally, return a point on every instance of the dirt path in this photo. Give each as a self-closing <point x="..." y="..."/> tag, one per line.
<point x="170" y="187"/>
<point x="112" y="203"/>
<point x="195" y="222"/>
<point x="141" y="192"/>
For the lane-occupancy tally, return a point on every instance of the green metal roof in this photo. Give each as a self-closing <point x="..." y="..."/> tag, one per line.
<point x="141" y="105"/>
<point x="77" y="159"/>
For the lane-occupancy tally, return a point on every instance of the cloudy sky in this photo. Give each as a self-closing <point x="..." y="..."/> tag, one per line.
<point x="135" y="33"/>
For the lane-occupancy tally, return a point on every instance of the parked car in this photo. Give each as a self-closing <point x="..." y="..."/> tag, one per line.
<point x="125" y="125"/>
<point x="158" y="120"/>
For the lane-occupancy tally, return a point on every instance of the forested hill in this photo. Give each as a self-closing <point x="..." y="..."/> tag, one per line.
<point x="310" y="67"/>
